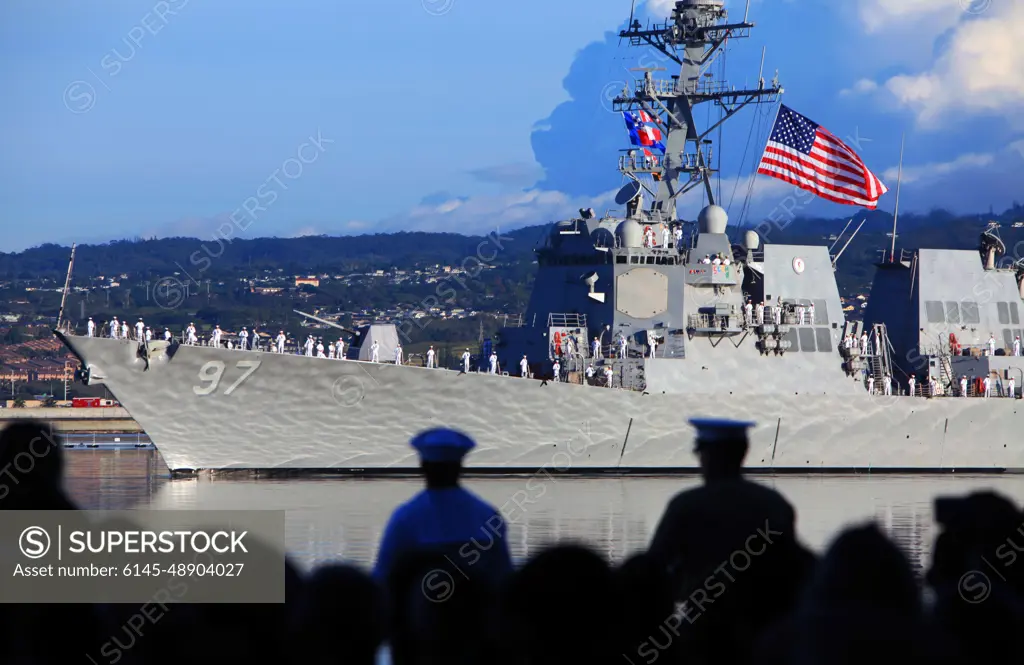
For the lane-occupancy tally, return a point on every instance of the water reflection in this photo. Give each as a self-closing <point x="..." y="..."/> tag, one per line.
<point x="332" y="518"/>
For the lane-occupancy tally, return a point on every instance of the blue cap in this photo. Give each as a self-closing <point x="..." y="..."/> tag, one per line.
<point x="442" y="445"/>
<point x="714" y="430"/>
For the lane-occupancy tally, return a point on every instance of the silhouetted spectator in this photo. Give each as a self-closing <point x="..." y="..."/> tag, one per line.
<point x="562" y="607"/>
<point x="650" y="623"/>
<point x="446" y="518"/>
<point x="863" y="603"/>
<point x="977" y="577"/>
<point x="32" y="468"/>
<point x="339" y="618"/>
<point x="730" y="547"/>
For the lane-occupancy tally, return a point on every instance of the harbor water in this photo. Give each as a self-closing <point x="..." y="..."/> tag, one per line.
<point x="341" y="518"/>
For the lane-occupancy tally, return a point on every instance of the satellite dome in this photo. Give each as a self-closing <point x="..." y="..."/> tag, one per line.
<point x="713" y="219"/>
<point x="751" y="240"/>
<point x="629" y="233"/>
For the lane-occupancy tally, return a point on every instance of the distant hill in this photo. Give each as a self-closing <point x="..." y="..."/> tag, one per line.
<point x="206" y="259"/>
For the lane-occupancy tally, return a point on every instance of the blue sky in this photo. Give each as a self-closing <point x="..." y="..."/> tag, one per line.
<point x="165" y="118"/>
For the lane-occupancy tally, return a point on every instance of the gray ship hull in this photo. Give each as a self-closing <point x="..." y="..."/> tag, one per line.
<point x="271" y="411"/>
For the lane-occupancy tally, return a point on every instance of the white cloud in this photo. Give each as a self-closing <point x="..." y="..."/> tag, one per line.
<point x="933" y="170"/>
<point x="982" y="70"/>
<point x="938" y="15"/>
<point x="861" y="87"/>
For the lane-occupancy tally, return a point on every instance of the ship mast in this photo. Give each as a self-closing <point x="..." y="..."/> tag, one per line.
<point x="67" y="287"/>
<point x="692" y="38"/>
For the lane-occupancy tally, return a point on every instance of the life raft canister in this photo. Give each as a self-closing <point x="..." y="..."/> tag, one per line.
<point x="558" y="343"/>
<point x="954" y="345"/>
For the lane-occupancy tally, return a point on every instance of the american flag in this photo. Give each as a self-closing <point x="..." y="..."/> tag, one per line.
<point x="803" y="153"/>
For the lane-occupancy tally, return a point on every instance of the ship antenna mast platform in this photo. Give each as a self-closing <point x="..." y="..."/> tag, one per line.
<point x="692" y="38"/>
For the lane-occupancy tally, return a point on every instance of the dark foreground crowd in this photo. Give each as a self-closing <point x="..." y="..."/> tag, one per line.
<point x="724" y="581"/>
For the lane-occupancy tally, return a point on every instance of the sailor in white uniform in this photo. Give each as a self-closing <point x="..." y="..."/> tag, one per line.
<point x="810" y="314"/>
<point x="654" y="345"/>
<point x="124" y="330"/>
<point x="888" y="385"/>
<point x="280" y="339"/>
<point x="190" y="334"/>
<point x="140" y="329"/>
<point x="988" y="387"/>
<point x="590" y="371"/>
<point x="963" y="386"/>
<point x="255" y="343"/>
<point x="494" y="362"/>
<point x="933" y="387"/>
<point x="991" y="346"/>
<point x="556" y="369"/>
<point x="339" y="349"/>
<point x="115" y="328"/>
<point x="679" y="238"/>
<point x="243" y="339"/>
<point x="1011" y="388"/>
<point x="623" y="346"/>
<point x="864" y="344"/>
<point x="375" y="352"/>
<point x="759" y="310"/>
<point x="664" y="236"/>
<point x="465" y="361"/>
<point x="230" y="345"/>
<point x="524" y="367"/>
<point x="871" y="385"/>
<point x="596" y="347"/>
<point x="398" y="354"/>
<point x="167" y="334"/>
<point x="320" y="348"/>
<point x="149" y="335"/>
<point x="777" y="315"/>
<point x="1016" y="345"/>
<point x="430" y="357"/>
<point x="608" y="374"/>
<point x="748" y="313"/>
<point x="911" y="382"/>
<point x="90" y="328"/>
<point x="330" y="351"/>
<point x="216" y="336"/>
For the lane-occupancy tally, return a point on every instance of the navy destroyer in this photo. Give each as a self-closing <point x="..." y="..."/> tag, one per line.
<point x="652" y="318"/>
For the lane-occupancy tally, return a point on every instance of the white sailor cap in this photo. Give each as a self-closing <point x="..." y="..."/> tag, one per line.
<point x="718" y="430"/>
<point x="442" y="445"/>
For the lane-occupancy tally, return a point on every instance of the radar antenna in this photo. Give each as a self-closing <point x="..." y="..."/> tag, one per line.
<point x="692" y="38"/>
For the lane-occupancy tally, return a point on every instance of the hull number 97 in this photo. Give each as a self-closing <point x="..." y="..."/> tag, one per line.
<point x="212" y="372"/>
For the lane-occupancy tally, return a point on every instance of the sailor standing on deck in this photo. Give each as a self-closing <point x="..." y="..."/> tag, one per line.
<point x="255" y="339"/>
<point x="90" y="328"/>
<point x="190" y="334"/>
<point x="445" y="520"/>
<point x="1016" y="345"/>
<point x="679" y="238"/>
<point x="243" y="339"/>
<point x="556" y="369"/>
<point x="623" y="346"/>
<point x="810" y="314"/>
<point x="590" y="372"/>
<point x="339" y="349"/>
<point x="910" y="382"/>
<point x="524" y="367"/>
<point x="114" y="328"/>
<point x="320" y="348"/>
<point x="777" y="314"/>
<point x="167" y="334"/>
<point x="991" y="346"/>
<point x="140" y="329"/>
<point x="871" y="385"/>
<point x="664" y="236"/>
<point x="608" y="374"/>
<point x="1011" y="389"/>
<point x="570" y="345"/>
<point x="864" y="344"/>
<point x="748" y="313"/>
<point x="430" y="357"/>
<point x="330" y="351"/>
<point x="149" y="335"/>
<point x="465" y="361"/>
<point x="888" y="385"/>
<point x="493" y="360"/>
<point x="988" y="386"/>
<point x="398" y="354"/>
<point x="280" y="341"/>
<point x="124" y="330"/>
<point x="933" y="386"/>
<point x="597" y="348"/>
<point x="654" y="345"/>
<point x="215" y="336"/>
<point x="375" y="352"/>
<point x="760" y="312"/>
<point x="309" y="344"/>
<point x="963" y="386"/>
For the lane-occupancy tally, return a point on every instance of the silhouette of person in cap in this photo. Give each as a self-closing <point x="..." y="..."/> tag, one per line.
<point x="730" y="548"/>
<point x="33" y="459"/>
<point x="446" y="518"/>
